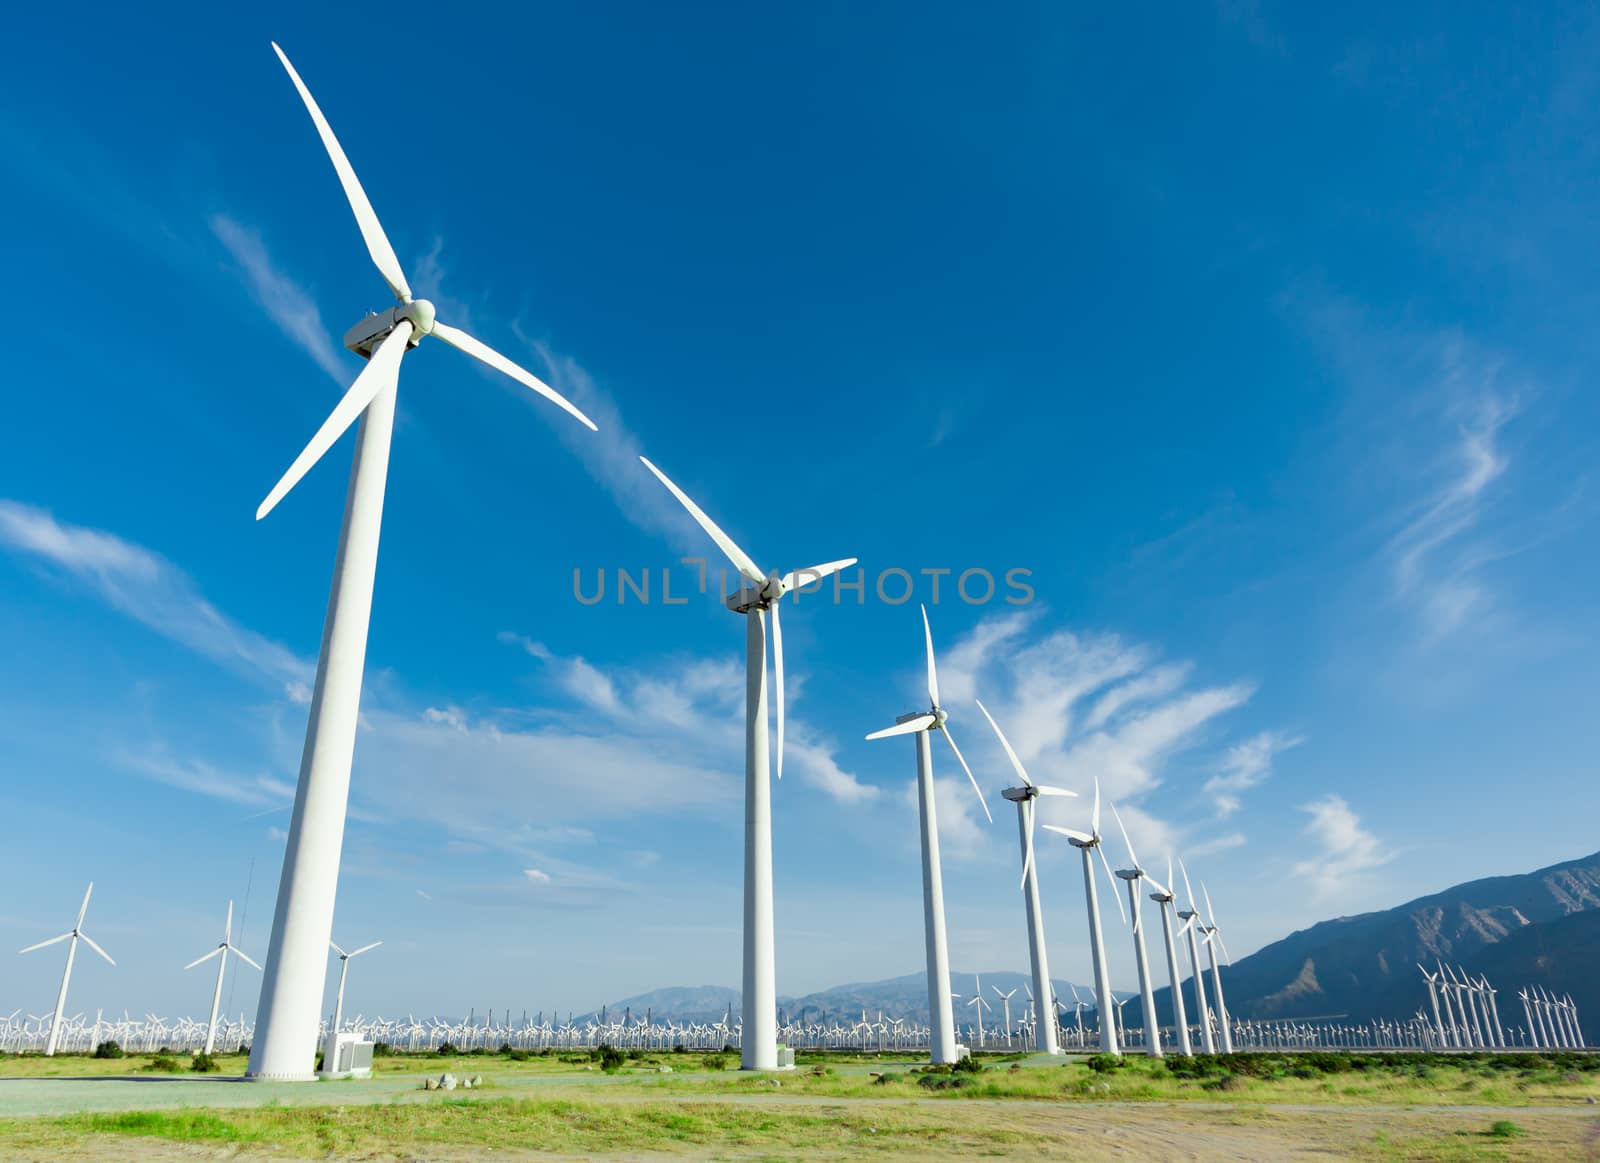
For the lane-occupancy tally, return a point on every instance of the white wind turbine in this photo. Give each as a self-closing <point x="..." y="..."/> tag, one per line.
<point x="291" y="992"/>
<point x="72" y="935"/>
<point x="1027" y="815"/>
<point x="338" y="1005"/>
<point x="221" y="953"/>
<point x="1202" y="1015"/>
<point x="1213" y="941"/>
<point x="942" y="1039"/>
<point x="1163" y="896"/>
<point x="1005" y="1000"/>
<point x="1086" y="843"/>
<point x="1132" y="875"/>
<point x="760" y="595"/>
<point x="978" y="1006"/>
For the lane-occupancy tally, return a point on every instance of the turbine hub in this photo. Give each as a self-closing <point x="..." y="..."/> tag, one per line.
<point x="421" y="314"/>
<point x="940" y="717"/>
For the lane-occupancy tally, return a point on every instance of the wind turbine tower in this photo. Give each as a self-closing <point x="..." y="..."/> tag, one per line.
<point x="1045" y="1040"/>
<point x="942" y="1045"/>
<point x="1163" y="896"/>
<point x="758" y="598"/>
<point x="1086" y="843"/>
<point x="221" y="953"/>
<point x="1132" y="875"/>
<point x="291" y="991"/>
<point x="72" y="936"/>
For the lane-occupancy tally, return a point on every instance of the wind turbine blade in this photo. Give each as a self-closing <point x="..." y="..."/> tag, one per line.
<point x="1046" y="790"/>
<point x="799" y="577"/>
<point x="933" y="672"/>
<point x="777" y="677"/>
<point x="1094" y="819"/>
<point x="1187" y="887"/>
<point x="245" y="957"/>
<point x="1005" y="745"/>
<point x="479" y="350"/>
<point x="1027" y="832"/>
<point x="336" y="949"/>
<point x="1132" y="855"/>
<point x="1222" y="947"/>
<point x="365" y="948"/>
<point x="1169" y="872"/>
<point x="739" y="557"/>
<point x="382" y="371"/>
<point x="909" y="727"/>
<point x="378" y="247"/>
<point x="951" y="739"/>
<point x="227" y="926"/>
<point x="217" y="952"/>
<point x="1112" y="877"/>
<point x="1070" y="833"/>
<point x="1211" y="916"/>
<point x="43" y="944"/>
<point x="84" y="908"/>
<point x="89" y="941"/>
<point x="1187" y="925"/>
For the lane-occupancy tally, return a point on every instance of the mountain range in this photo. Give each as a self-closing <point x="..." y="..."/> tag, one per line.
<point x="1540" y="927"/>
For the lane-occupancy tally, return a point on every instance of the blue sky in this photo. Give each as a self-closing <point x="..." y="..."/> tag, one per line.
<point x="1261" y="337"/>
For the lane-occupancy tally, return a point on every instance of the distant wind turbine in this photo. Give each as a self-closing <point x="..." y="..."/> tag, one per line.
<point x="221" y="953"/>
<point x="73" y="935"/>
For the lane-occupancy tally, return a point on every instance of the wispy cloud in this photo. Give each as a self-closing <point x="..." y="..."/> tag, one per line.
<point x="288" y="304"/>
<point x="1348" y="850"/>
<point x="1083" y="706"/>
<point x="1244" y="766"/>
<point x="197" y="776"/>
<point x="148" y="588"/>
<point x="1436" y="559"/>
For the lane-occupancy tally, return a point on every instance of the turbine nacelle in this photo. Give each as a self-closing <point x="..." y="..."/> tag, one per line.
<point x="365" y="336"/>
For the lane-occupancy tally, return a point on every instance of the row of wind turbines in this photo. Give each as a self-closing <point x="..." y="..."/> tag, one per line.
<point x="303" y="919"/>
<point x="224" y="948"/>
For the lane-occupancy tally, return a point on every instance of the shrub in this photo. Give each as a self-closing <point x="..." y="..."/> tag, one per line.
<point x="611" y="1059"/>
<point x="968" y="1065"/>
<point x="505" y="1048"/>
<point x="1504" y="1129"/>
<point x="382" y="1050"/>
<point x="165" y="1064"/>
<point x="108" y="1050"/>
<point x="204" y="1064"/>
<point x="1103" y="1063"/>
<point x="886" y="1079"/>
<point x="943" y="1082"/>
<point x="445" y="1049"/>
<point x="714" y="1062"/>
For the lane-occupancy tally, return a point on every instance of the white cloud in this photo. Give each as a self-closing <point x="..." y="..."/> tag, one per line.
<point x="1079" y="707"/>
<point x="288" y="304"/>
<point x="1246" y="765"/>
<point x="453" y="717"/>
<point x="536" y="875"/>
<point x="148" y="588"/>
<point x="1348" y="850"/>
<point x="1436" y="560"/>
<point x="197" y="776"/>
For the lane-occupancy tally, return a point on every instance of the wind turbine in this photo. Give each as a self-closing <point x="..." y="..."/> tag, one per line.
<point x="942" y="1039"/>
<point x="1163" y="896"/>
<point x="978" y="1006"/>
<point x="1433" y="1000"/>
<point x="1005" y="1000"/>
<point x="1214" y="942"/>
<point x="73" y="936"/>
<point x="291" y="993"/>
<point x="221" y="953"/>
<point x="1023" y="797"/>
<point x="761" y="594"/>
<point x="1087" y="843"/>
<point x="1132" y="875"/>
<point x="1202" y="1014"/>
<point x="338" y="1005"/>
